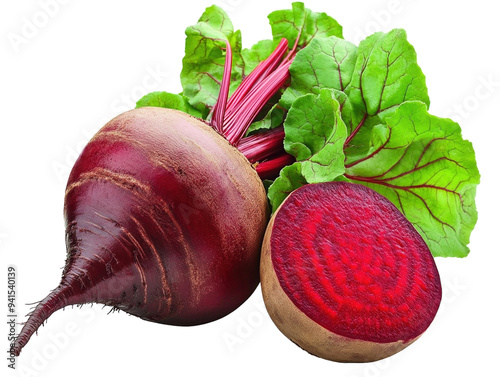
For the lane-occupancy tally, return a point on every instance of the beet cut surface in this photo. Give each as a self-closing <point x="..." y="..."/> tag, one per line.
<point x="348" y="259"/>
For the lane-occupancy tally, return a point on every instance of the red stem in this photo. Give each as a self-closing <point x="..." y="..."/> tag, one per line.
<point x="293" y="51"/>
<point x="271" y="169"/>
<point x="257" y="75"/>
<point x="262" y="145"/>
<point x="219" y="109"/>
<point x="351" y="136"/>
<point x="232" y="117"/>
<point x="236" y="125"/>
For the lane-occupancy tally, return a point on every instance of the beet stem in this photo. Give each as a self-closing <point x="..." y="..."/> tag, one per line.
<point x="262" y="145"/>
<point x="256" y="76"/>
<point x="358" y="127"/>
<point x="232" y="117"/>
<point x="270" y="169"/>
<point x="217" y="121"/>
<point x="238" y="123"/>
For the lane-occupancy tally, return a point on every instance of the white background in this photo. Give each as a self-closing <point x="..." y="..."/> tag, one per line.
<point x="87" y="61"/>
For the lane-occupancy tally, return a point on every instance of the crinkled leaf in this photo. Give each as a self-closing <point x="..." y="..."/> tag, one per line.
<point x="345" y="109"/>
<point x="289" y="180"/>
<point x="421" y="163"/>
<point x="169" y="101"/>
<point x="203" y="63"/>
<point x="324" y="63"/>
<point x="315" y="136"/>
<point x="386" y="74"/>
<point x="375" y="78"/>
<point x="354" y="113"/>
<point x="290" y="23"/>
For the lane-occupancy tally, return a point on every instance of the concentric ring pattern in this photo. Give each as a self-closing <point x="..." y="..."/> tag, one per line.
<point x="351" y="261"/>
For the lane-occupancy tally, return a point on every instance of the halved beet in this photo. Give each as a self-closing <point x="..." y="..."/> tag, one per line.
<point x="345" y="275"/>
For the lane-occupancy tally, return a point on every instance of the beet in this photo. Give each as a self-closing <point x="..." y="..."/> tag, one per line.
<point x="165" y="221"/>
<point x="345" y="275"/>
<point x="165" y="213"/>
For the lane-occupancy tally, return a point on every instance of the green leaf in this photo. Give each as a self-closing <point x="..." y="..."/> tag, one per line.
<point x="315" y="136"/>
<point x="386" y="74"/>
<point x="256" y="54"/>
<point x="289" y="180"/>
<point x="274" y="118"/>
<point x="369" y="81"/>
<point x="345" y="109"/>
<point x="169" y="101"/>
<point x="203" y="63"/>
<point x="290" y="23"/>
<point x="421" y="163"/>
<point x="324" y="63"/>
<point x="267" y="183"/>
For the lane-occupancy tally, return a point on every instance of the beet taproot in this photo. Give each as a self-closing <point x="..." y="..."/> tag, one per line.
<point x="345" y="275"/>
<point x="165" y="213"/>
<point x="165" y="221"/>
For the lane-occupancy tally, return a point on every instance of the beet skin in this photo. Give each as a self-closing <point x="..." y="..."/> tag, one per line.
<point x="165" y="221"/>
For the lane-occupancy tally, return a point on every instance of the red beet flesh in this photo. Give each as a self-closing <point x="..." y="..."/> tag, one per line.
<point x="165" y="221"/>
<point x="349" y="260"/>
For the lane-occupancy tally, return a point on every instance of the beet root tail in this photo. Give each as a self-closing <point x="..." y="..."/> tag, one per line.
<point x="57" y="299"/>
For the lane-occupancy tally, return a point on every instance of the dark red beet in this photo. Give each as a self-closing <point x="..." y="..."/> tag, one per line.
<point x="165" y="217"/>
<point x="164" y="221"/>
<point x="345" y="275"/>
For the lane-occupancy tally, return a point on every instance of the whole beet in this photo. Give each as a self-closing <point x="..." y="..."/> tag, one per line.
<point x="165" y="221"/>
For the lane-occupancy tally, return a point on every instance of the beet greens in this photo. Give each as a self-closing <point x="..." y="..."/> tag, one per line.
<point x="347" y="114"/>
